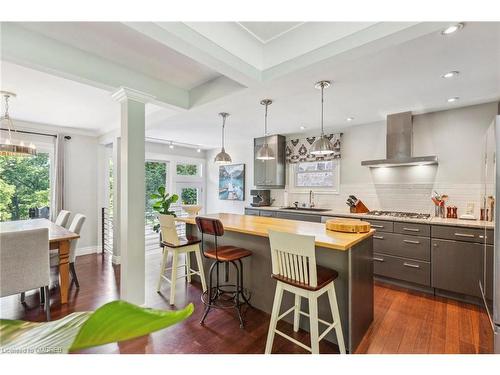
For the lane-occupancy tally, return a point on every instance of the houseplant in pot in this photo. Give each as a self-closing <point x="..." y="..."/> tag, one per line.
<point x="162" y="203"/>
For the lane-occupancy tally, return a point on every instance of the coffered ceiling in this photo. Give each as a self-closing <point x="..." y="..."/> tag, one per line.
<point x="197" y="69"/>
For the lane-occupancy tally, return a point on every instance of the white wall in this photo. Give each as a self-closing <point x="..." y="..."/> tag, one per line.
<point x="81" y="185"/>
<point x="456" y="136"/>
<point x="241" y="152"/>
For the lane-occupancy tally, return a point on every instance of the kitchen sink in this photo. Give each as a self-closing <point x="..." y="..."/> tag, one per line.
<point x="312" y="209"/>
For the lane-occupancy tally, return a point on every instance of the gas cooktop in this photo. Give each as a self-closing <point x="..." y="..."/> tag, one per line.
<point x="407" y="215"/>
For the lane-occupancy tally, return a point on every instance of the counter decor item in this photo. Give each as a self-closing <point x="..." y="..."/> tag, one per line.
<point x="192" y="209"/>
<point x="439" y="204"/>
<point x="469" y="212"/>
<point x="356" y="206"/>
<point x="162" y="203"/>
<point x="347" y="225"/>
<point x="232" y="182"/>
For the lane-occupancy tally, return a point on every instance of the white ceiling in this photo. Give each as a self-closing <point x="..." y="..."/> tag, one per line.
<point x="400" y="78"/>
<point x="122" y="45"/>
<point x="370" y="81"/>
<point x="264" y="32"/>
<point x="47" y="99"/>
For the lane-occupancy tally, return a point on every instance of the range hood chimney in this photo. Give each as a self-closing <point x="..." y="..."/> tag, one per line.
<point x="399" y="144"/>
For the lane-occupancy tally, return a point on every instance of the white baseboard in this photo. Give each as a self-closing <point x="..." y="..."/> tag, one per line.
<point x="115" y="259"/>
<point x="87" y="250"/>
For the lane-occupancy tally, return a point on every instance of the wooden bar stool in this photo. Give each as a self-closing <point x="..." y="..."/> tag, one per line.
<point x="294" y="266"/>
<point x="222" y="295"/>
<point x="175" y="245"/>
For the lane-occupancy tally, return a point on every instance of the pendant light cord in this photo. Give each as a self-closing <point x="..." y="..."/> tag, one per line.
<point x="322" y="90"/>
<point x="265" y="126"/>
<point x="223" y="126"/>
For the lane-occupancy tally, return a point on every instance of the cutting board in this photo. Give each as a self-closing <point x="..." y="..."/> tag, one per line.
<point x="347" y="225"/>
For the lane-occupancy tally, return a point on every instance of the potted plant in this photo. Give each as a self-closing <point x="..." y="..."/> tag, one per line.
<point x="162" y="203"/>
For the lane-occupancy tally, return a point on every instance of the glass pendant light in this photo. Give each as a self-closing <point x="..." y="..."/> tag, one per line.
<point x="322" y="146"/>
<point x="8" y="147"/>
<point x="223" y="157"/>
<point x="265" y="152"/>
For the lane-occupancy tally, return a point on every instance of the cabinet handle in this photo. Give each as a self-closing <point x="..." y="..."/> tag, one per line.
<point x="378" y="237"/>
<point x="410" y="241"/>
<point x="411" y="229"/>
<point x="376" y="226"/>
<point x="411" y="265"/>
<point x="464" y="235"/>
<point x="378" y="259"/>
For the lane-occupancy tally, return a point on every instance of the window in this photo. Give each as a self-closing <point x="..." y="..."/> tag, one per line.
<point x="24" y="187"/>
<point x="155" y="176"/>
<point x="187" y="170"/>
<point x="317" y="174"/>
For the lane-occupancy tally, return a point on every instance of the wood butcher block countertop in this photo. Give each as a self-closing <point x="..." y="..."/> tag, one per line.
<point x="259" y="226"/>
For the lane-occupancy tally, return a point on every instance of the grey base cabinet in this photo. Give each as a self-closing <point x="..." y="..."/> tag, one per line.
<point x="457" y="266"/>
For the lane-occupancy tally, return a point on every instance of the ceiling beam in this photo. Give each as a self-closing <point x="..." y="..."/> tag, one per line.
<point x="26" y="48"/>
<point x="185" y="40"/>
<point x="370" y="40"/>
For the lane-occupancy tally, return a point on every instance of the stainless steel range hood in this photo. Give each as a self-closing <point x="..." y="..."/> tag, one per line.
<point x="400" y="144"/>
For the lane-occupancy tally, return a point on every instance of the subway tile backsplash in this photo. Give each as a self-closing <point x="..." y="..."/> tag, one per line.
<point x="411" y="197"/>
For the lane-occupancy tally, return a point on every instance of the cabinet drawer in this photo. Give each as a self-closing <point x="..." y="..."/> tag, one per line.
<point x="381" y="225"/>
<point x="457" y="266"/>
<point x="402" y="269"/>
<point x="300" y="217"/>
<point x="462" y="234"/>
<point x="413" y="229"/>
<point x="249" y="211"/>
<point x="402" y="245"/>
<point x="266" y="213"/>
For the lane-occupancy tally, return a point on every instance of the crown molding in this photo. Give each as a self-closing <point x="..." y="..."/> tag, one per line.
<point x="126" y="93"/>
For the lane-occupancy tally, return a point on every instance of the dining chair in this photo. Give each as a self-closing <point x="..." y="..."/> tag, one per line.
<point x="24" y="264"/>
<point x="62" y="218"/>
<point x="75" y="227"/>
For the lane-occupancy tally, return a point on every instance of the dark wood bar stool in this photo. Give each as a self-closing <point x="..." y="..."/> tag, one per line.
<point x="222" y="295"/>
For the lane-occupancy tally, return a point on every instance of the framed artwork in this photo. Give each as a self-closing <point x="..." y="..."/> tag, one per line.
<point x="232" y="182"/>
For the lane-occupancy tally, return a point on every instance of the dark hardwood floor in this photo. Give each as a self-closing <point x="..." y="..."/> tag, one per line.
<point x="405" y="321"/>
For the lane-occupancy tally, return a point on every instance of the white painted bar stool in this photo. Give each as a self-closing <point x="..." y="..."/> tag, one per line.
<point x="293" y="259"/>
<point x="175" y="245"/>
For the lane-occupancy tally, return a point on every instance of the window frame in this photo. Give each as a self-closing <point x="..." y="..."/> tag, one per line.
<point x="292" y="178"/>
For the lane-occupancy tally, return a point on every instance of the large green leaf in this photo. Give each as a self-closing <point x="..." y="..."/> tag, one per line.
<point x="120" y="320"/>
<point x="113" y="322"/>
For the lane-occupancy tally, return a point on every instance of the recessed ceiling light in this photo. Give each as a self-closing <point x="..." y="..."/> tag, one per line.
<point x="454" y="99"/>
<point x="198" y="150"/>
<point x="452" y="29"/>
<point x="171" y="145"/>
<point x="349" y="119"/>
<point x="451" y="74"/>
<point x="302" y="127"/>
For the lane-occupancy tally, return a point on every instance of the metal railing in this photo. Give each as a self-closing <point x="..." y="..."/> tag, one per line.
<point x="106" y="231"/>
<point x="152" y="238"/>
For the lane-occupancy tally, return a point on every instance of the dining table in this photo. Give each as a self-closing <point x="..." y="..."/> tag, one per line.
<point x="59" y="238"/>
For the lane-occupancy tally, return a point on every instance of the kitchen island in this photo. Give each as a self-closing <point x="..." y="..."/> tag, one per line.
<point x="350" y="254"/>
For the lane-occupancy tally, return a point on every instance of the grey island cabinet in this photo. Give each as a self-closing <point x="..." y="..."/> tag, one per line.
<point x="350" y="254"/>
<point x="432" y="255"/>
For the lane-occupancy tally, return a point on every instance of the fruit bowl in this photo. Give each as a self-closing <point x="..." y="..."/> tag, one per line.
<point x="192" y="209"/>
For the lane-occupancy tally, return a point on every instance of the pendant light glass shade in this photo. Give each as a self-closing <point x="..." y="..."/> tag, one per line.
<point x="223" y="157"/>
<point x="265" y="152"/>
<point x="322" y="146"/>
<point x="8" y="147"/>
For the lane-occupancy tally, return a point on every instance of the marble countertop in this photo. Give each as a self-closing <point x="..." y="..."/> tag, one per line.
<point x="432" y="220"/>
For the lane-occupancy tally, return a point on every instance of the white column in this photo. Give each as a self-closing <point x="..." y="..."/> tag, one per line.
<point x="132" y="190"/>
<point x="116" y="200"/>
